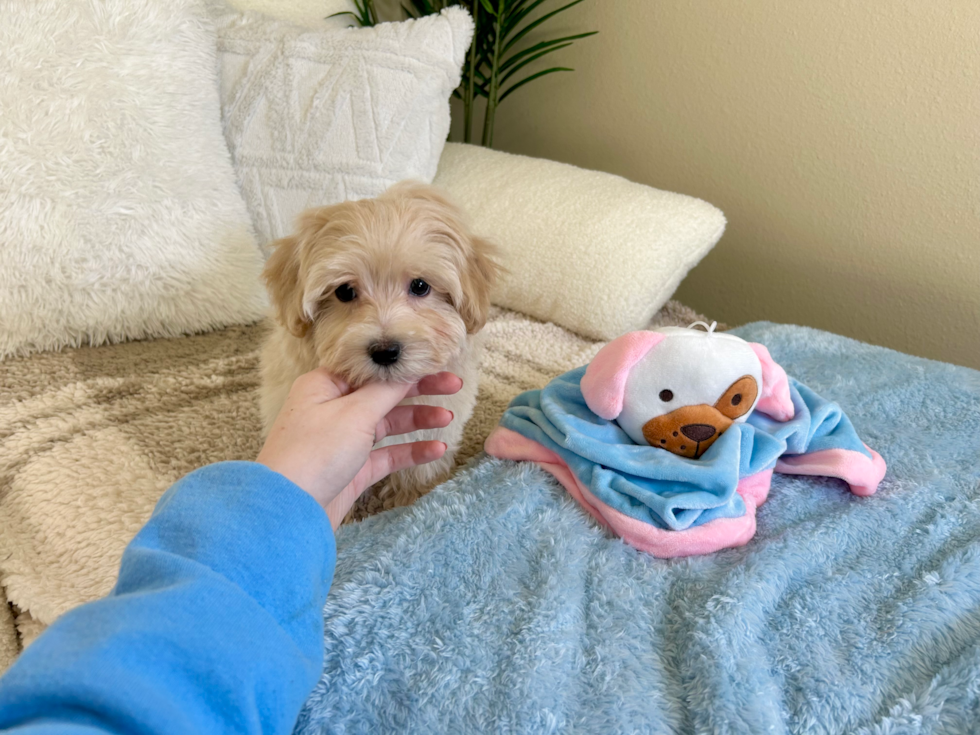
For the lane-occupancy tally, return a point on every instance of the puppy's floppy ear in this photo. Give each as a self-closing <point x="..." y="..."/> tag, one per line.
<point x="477" y="279"/>
<point x="282" y="277"/>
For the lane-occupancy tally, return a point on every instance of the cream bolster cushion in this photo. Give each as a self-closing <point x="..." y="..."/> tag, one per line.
<point x="589" y="251"/>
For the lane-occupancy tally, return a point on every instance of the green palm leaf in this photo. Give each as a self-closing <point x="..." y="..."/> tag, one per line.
<point x="563" y="42"/>
<point x="531" y="26"/>
<point x="531" y="78"/>
<point x="531" y="59"/>
<point x="364" y="13"/>
<point x="513" y="20"/>
<point x="499" y="25"/>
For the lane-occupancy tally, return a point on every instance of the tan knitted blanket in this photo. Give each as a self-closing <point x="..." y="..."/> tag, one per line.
<point x="91" y="437"/>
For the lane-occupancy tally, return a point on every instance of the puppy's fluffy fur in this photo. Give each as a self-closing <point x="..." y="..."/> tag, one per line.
<point x="346" y="287"/>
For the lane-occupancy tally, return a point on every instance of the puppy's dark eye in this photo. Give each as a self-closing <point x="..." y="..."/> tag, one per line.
<point x="666" y="395"/>
<point x="345" y="293"/>
<point x="418" y="287"/>
<point x="736" y="399"/>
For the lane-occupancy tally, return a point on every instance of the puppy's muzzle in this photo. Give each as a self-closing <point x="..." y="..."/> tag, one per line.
<point x="385" y="353"/>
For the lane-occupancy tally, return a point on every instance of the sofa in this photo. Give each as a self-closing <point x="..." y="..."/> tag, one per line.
<point x="132" y="317"/>
<point x="96" y="427"/>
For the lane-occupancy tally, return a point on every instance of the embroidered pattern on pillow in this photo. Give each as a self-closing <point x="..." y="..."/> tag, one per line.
<point x="317" y="117"/>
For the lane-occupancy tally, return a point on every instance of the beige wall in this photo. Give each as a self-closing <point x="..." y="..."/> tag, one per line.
<point x="840" y="137"/>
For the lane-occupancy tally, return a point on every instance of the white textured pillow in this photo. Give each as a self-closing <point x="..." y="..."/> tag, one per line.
<point x="119" y="214"/>
<point x="590" y="251"/>
<point x="317" y="117"/>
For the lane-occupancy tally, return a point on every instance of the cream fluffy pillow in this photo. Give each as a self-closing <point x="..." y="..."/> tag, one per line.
<point x="119" y="214"/>
<point x="318" y="117"/>
<point x="590" y="251"/>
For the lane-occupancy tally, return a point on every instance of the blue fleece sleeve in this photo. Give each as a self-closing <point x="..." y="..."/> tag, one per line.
<point x="215" y="624"/>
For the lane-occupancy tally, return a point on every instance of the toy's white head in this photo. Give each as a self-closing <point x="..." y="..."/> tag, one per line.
<point x="680" y="389"/>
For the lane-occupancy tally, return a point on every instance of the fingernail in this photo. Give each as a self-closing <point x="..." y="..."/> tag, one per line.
<point x="451" y="415"/>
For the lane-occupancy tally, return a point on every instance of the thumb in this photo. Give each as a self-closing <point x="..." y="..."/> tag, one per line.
<point x="378" y="398"/>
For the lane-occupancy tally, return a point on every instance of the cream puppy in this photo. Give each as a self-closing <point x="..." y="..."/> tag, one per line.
<point x="392" y="288"/>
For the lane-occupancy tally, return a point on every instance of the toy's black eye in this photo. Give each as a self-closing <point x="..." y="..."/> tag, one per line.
<point x="418" y="287"/>
<point x="666" y="395"/>
<point x="345" y="293"/>
<point x="736" y="399"/>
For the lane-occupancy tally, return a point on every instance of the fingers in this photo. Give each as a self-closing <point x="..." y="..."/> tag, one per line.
<point x="380" y="397"/>
<point x="320" y="385"/>
<point x="377" y="399"/>
<point x="403" y="419"/>
<point x="439" y="384"/>
<point x="381" y="463"/>
<point x="326" y="386"/>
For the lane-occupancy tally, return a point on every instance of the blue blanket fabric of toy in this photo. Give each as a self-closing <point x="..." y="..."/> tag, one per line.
<point x="660" y="488"/>
<point x="494" y="604"/>
<point x="655" y="499"/>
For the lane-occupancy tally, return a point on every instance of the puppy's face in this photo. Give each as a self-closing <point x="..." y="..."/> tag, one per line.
<point x="384" y="288"/>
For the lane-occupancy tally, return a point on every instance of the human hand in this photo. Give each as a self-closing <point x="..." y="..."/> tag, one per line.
<point x="323" y="437"/>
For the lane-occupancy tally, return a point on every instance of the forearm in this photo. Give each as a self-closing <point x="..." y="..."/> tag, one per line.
<point x="215" y="623"/>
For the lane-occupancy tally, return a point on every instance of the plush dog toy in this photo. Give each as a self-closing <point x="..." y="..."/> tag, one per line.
<point x="725" y="411"/>
<point x="680" y="389"/>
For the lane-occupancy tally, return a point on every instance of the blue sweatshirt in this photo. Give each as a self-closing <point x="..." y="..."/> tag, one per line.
<point x="215" y="624"/>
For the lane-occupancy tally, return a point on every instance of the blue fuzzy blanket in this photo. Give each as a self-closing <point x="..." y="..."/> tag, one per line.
<point x="495" y="604"/>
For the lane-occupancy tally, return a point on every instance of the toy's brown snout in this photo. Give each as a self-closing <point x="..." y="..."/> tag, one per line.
<point x="699" y="432"/>
<point x="690" y="430"/>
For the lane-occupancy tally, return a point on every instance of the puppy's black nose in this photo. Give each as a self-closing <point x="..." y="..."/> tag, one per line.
<point x="698" y="432"/>
<point x="385" y="353"/>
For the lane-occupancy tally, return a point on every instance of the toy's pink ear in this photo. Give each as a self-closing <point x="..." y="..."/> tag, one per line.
<point x="774" y="399"/>
<point x="604" y="381"/>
